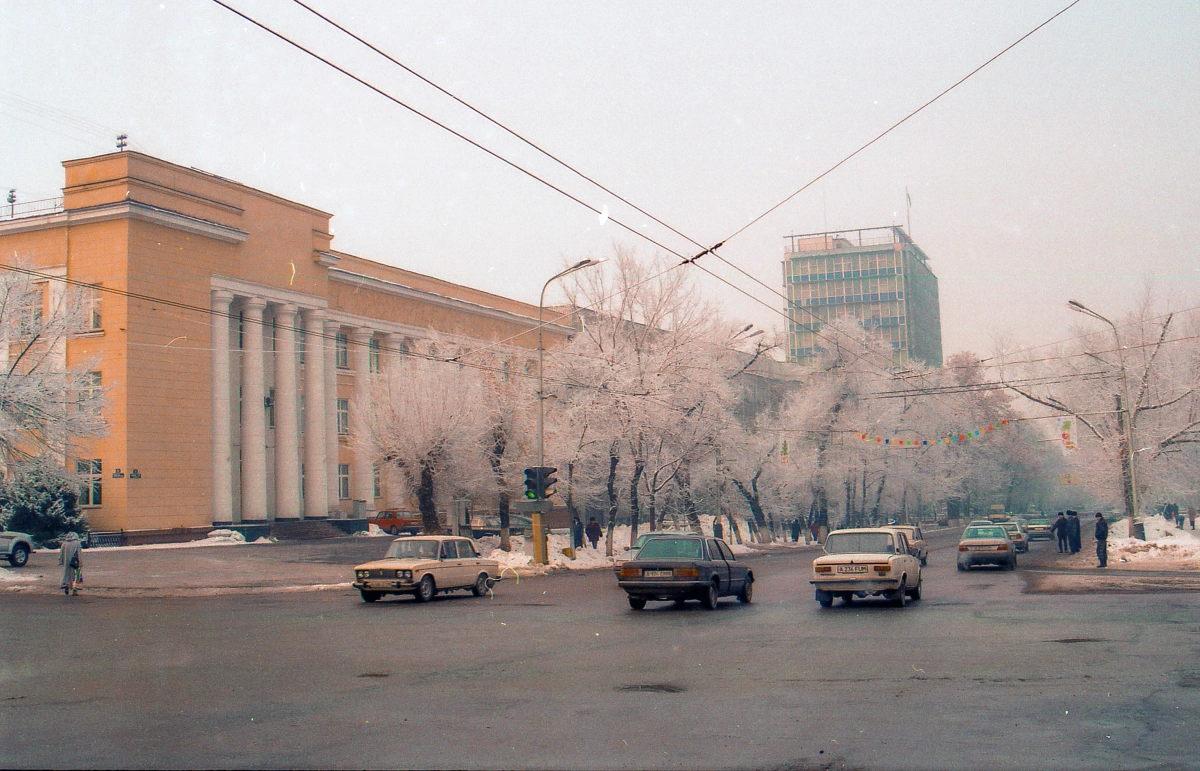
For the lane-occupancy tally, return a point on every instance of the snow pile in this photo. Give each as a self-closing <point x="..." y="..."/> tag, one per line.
<point x="17" y="575"/>
<point x="373" y="531"/>
<point x="220" y="537"/>
<point x="1166" y="546"/>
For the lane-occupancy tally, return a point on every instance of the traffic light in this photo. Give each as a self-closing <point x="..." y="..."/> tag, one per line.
<point x="540" y="482"/>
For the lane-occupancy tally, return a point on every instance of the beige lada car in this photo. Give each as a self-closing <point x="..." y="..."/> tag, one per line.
<point x="915" y="541"/>
<point x="866" y="563"/>
<point x="425" y="565"/>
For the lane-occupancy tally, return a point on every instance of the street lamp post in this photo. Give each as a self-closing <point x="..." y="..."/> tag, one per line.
<point x="541" y="387"/>
<point x="1125" y="413"/>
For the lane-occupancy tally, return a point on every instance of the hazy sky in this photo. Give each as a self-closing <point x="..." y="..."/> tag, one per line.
<point x="1066" y="169"/>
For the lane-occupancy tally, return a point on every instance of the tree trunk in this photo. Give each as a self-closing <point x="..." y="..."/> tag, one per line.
<point x="571" y="509"/>
<point x="652" y="501"/>
<point x="499" y="443"/>
<point x="429" y="518"/>
<point x="733" y="525"/>
<point x="684" y="481"/>
<point x="613" y="460"/>
<point x="752" y="501"/>
<point x="639" y="466"/>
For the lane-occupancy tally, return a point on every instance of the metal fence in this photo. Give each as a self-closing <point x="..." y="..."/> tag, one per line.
<point x="12" y="211"/>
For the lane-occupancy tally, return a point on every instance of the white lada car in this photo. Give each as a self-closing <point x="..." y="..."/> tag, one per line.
<point x="425" y="565"/>
<point x="866" y="563"/>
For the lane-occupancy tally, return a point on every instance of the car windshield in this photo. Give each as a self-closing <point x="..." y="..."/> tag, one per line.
<point x="671" y="549"/>
<point x="1039" y="521"/>
<point x="1010" y="526"/>
<point x="641" y="541"/>
<point x="984" y="532"/>
<point x="859" y="543"/>
<point x="406" y="549"/>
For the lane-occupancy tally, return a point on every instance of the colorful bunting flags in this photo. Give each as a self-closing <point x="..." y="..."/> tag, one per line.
<point x="942" y="440"/>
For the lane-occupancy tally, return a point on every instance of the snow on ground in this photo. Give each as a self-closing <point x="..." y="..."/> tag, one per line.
<point x="215" y="538"/>
<point x="7" y="575"/>
<point x="1166" y="546"/>
<point x="373" y="531"/>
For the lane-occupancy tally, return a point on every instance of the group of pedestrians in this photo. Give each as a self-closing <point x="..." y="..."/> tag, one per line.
<point x="1067" y="528"/>
<point x="1173" y="513"/>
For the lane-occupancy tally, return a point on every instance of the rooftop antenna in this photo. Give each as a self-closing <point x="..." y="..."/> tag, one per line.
<point x="122" y="141"/>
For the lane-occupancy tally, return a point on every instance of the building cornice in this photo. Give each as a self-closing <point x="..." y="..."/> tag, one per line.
<point x="272" y="294"/>
<point x="127" y="210"/>
<point x="420" y="295"/>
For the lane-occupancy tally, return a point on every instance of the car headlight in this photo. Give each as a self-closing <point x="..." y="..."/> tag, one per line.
<point x="406" y="574"/>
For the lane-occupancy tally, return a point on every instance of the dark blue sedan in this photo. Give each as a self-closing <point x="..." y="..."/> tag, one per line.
<point x="682" y="568"/>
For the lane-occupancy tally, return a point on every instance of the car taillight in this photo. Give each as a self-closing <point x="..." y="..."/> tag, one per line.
<point x="883" y="568"/>
<point x="963" y="547"/>
<point x="687" y="573"/>
<point x="631" y="572"/>
<point x="823" y="569"/>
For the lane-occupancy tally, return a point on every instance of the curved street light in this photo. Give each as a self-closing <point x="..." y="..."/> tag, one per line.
<point x="1125" y="413"/>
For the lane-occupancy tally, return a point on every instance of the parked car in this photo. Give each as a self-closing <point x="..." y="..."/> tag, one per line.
<point x="1016" y="534"/>
<point x="986" y="545"/>
<point x="425" y="565"/>
<point x="1038" y="529"/>
<point x="397" y="522"/>
<point x="16" y="548"/>
<point x="866" y="563"/>
<point x="489" y="524"/>
<point x="685" y="567"/>
<point x="916" y="541"/>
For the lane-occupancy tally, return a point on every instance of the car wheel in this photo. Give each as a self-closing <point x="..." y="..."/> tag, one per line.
<point x="709" y="598"/>
<point x="901" y="597"/>
<point x="393" y="530"/>
<point x="825" y="598"/>
<point x="746" y="596"/>
<point x="915" y="594"/>
<point x="1013" y="564"/>
<point x="924" y="561"/>
<point x="369" y="596"/>
<point x="637" y="603"/>
<point x="425" y="589"/>
<point x="962" y="568"/>
<point x="481" y="585"/>
<point x="19" y="556"/>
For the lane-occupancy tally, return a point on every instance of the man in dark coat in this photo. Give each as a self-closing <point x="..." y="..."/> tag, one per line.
<point x="1076" y="536"/>
<point x="577" y="533"/>
<point x="1060" y="528"/>
<point x="718" y="530"/>
<point x="795" y="531"/>
<point x="593" y="531"/>
<point x="1101" y="540"/>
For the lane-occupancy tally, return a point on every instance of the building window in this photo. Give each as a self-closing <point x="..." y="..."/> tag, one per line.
<point x="302" y="413"/>
<point x="302" y="480"/>
<point x="274" y="333"/>
<point x="271" y="408"/>
<point x="30" y="313"/>
<point x="343" y="417"/>
<point x="344" y="481"/>
<point x="89" y="479"/>
<point x="91" y="305"/>
<point x="375" y="482"/>
<point x="241" y="330"/>
<point x="373" y="355"/>
<point x="301" y="341"/>
<point x="342" y="349"/>
<point x="239" y="405"/>
<point x="89" y="393"/>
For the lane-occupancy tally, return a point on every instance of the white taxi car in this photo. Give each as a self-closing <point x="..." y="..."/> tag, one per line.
<point x="425" y="565"/>
<point x="866" y="563"/>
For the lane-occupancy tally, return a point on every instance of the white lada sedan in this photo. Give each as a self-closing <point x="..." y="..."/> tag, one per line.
<point x="866" y="563"/>
<point x="425" y="565"/>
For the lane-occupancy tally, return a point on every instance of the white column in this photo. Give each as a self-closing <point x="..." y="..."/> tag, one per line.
<point x="391" y="354"/>
<point x="222" y="466"/>
<point x="316" y="483"/>
<point x="287" y="434"/>
<point x="331" y="433"/>
<point x="254" y="441"/>
<point x="361" y="477"/>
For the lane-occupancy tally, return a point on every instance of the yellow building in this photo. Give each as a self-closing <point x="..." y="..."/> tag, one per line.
<point x="199" y="278"/>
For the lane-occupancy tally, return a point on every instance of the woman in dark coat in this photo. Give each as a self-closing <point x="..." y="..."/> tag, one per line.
<point x="593" y="531"/>
<point x="71" y="552"/>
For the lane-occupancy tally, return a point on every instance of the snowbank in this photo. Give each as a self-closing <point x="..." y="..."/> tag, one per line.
<point x="1166" y="546"/>
<point x="215" y="538"/>
<point x="372" y="531"/>
<point x="17" y="575"/>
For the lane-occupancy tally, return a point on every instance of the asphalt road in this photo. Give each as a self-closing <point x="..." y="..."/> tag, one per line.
<point x="558" y="672"/>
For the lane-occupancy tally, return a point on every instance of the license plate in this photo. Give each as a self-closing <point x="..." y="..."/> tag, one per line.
<point x="852" y="569"/>
<point x="658" y="574"/>
<point x="981" y="548"/>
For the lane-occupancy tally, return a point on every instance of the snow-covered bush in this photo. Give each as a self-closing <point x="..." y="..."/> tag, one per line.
<point x="39" y="498"/>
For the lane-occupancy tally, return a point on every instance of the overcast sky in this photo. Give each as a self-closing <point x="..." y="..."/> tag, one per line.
<point x="1068" y="169"/>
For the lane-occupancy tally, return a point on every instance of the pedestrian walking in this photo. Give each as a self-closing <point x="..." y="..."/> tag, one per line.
<point x="70" y="556"/>
<point x="1060" y="528"/>
<point x="718" y="530"/>
<point x="1178" y="518"/>
<point x="1073" y="526"/>
<point x="577" y="533"/>
<point x="593" y="531"/>
<point x="1101" y="540"/>
<point x="795" y="531"/>
<point x="1192" y="516"/>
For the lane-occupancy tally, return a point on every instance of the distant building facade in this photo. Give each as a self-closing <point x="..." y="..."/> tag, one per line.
<point x="232" y="342"/>
<point x="876" y="275"/>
